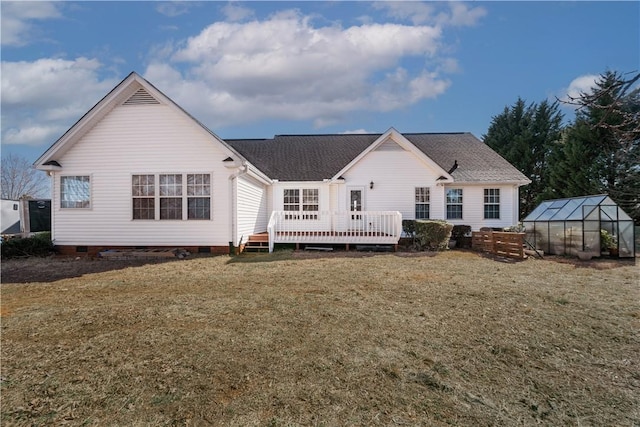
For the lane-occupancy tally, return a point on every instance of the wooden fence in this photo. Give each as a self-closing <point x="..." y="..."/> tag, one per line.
<point x="509" y="245"/>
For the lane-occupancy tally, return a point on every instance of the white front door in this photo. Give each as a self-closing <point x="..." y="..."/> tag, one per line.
<point x="356" y="204"/>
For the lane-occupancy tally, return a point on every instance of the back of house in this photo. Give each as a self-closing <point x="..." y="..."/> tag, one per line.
<point x="137" y="171"/>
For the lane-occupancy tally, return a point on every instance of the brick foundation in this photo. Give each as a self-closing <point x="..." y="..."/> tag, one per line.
<point x="92" y="251"/>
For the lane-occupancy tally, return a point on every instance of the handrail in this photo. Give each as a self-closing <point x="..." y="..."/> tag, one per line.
<point x="366" y="227"/>
<point x="271" y="230"/>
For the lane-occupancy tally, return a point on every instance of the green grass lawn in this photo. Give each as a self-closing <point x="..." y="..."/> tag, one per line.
<point x="325" y="339"/>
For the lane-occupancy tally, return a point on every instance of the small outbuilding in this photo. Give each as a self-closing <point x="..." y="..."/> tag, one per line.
<point x="590" y="225"/>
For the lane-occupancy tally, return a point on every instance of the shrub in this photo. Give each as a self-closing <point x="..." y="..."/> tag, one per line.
<point x="37" y="245"/>
<point x="433" y="234"/>
<point x="462" y="235"/>
<point x="409" y="227"/>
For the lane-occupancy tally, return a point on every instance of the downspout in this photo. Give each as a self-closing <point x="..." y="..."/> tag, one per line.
<point x="242" y="170"/>
<point x="52" y="194"/>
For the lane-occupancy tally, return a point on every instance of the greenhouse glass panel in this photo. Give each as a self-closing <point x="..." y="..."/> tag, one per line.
<point x="536" y="212"/>
<point x="573" y="237"/>
<point x="559" y="203"/>
<point x="596" y="200"/>
<point x="568" y="209"/>
<point x="546" y="215"/>
<point x="556" y="238"/>
<point x="542" y="236"/>
<point x="625" y="240"/>
<point x="609" y="213"/>
<point x="591" y="213"/>
<point x="622" y="215"/>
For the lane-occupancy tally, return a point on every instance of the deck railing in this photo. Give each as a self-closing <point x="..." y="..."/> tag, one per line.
<point x="363" y="227"/>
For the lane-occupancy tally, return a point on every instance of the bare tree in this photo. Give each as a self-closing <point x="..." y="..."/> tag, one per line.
<point x="21" y="179"/>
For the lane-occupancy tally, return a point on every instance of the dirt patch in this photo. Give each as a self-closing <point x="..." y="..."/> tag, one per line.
<point x="52" y="269"/>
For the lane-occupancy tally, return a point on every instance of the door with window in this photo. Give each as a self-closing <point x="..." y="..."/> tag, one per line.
<point x="356" y="204"/>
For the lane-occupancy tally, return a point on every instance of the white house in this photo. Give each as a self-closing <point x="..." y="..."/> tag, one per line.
<point x="138" y="171"/>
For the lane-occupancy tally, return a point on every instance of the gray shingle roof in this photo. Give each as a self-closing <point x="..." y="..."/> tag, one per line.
<point x="318" y="157"/>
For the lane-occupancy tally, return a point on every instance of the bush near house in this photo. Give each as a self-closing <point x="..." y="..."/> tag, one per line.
<point x="462" y="235"/>
<point x="433" y="234"/>
<point x="37" y="245"/>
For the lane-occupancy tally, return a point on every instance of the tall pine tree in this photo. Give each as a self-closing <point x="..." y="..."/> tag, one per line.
<point x="601" y="150"/>
<point x="524" y="135"/>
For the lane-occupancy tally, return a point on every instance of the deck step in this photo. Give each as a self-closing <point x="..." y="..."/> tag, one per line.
<point x="257" y="243"/>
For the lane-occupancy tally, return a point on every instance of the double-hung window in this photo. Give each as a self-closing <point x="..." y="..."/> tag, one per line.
<point x="454" y="203"/>
<point x="422" y="202"/>
<point x="291" y="203"/>
<point x="310" y="203"/>
<point x="491" y="203"/>
<point x="199" y="196"/>
<point x="143" y="188"/>
<point x="305" y="207"/>
<point x="75" y="192"/>
<point x="171" y="196"/>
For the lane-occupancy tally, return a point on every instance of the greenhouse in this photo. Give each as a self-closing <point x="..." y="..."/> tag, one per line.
<point x="579" y="226"/>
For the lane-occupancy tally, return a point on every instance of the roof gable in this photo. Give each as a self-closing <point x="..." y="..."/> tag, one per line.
<point x="391" y="140"/>
<point x="134" y="90"/>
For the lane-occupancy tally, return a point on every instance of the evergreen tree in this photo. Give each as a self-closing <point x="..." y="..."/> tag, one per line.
<point x="524" y="135"/>
<point x="601" y="151"/>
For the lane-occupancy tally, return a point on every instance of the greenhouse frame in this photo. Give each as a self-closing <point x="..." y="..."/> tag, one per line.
<point x="593" y="225"/>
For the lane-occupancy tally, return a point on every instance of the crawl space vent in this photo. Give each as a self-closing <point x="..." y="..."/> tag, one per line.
<point x="141" y="97"/>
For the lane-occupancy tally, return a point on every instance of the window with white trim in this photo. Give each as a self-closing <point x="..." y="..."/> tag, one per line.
<point x="75" y="192"/>
<point x="422" y="202"/>
<point x="171" y="196"/>
<point x="143" y="189"/>
<point x="491" y="203"/>
<point x="305" y="207"/>
<point x="199" y="196"/>
<point x="310" y="203"/>
<point x="454" y="203"/>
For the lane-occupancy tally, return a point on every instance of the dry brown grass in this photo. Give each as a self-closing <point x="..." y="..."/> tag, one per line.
<point x="300" y="339"/>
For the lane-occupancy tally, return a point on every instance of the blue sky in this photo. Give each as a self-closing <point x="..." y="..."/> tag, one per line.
<point x="256" y="69"/>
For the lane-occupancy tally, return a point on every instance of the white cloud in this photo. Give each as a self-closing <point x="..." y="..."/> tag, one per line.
<point x="173" y="8"/>
<point x="579" y="85"/>
<point x="459" y="14"/>
<point x="41" y="99"/>
<point x="17" y="20"/>
<point x="234" y="13"/>
<point x="356" y="132"/>
<point x="284" y="67"/>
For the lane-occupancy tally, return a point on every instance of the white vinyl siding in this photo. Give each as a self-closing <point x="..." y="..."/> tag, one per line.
<point x="253" y="215"/>
<point x="473" y="206"/>
<point x="149" y="140"/>
<point x="395" y="173"/>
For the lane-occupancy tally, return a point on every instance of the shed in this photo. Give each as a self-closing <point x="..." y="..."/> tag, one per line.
<point x="581" y="224"/>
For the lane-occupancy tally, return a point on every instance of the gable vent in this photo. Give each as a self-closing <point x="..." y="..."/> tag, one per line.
<point x="141" y="97"/>
<point x="389" y="145"/>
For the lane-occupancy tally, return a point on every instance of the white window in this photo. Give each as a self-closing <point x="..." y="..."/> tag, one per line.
<point x="297" y="208"/>
<point x="170" y="196"/>
<point x="199" y="196"/>
<point x="75" y="192"/>
<point x="310" y="203"/>
<point x="175" y="197"/>
<point x="143" y="189"/>
<point x="492" y="203"/>
<point x="422" y="202"/>
<point x="454" y="203"/>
